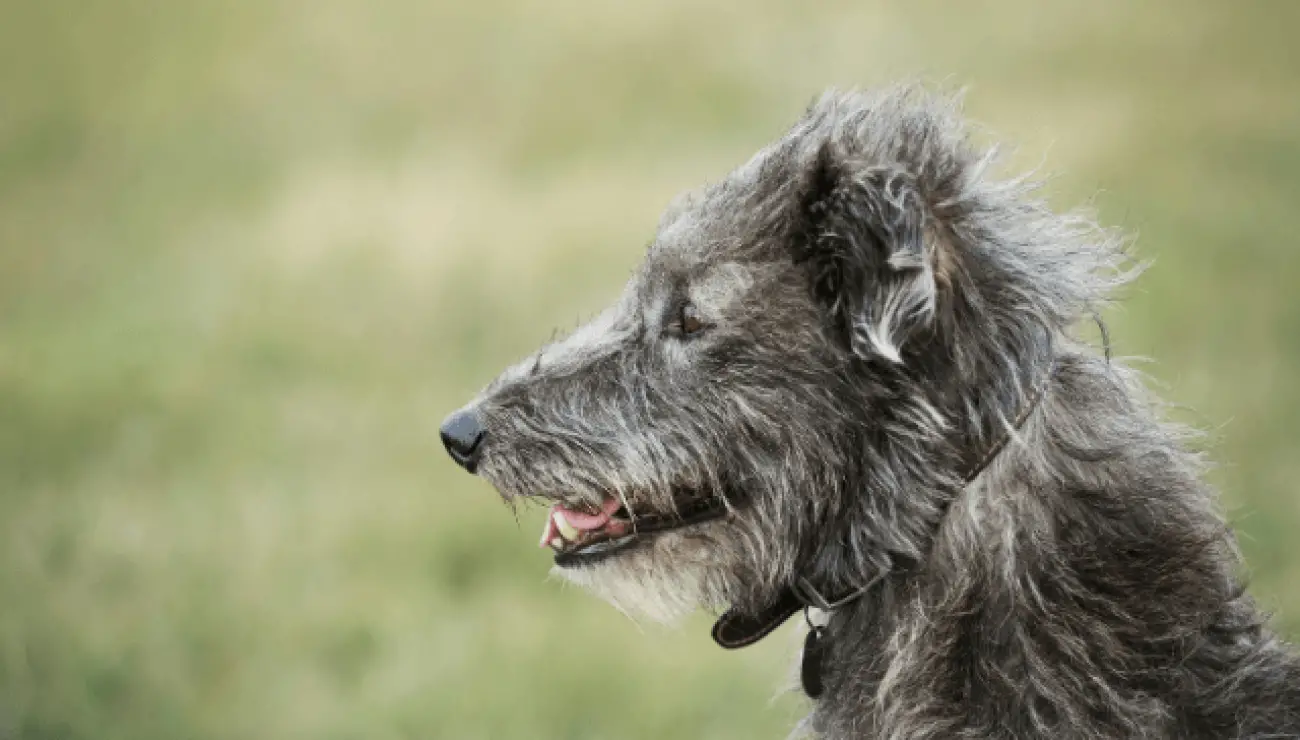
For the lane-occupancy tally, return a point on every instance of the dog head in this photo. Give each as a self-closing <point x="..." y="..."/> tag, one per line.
<point x="795" y="377"/>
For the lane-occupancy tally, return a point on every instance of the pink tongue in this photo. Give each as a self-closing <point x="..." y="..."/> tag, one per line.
<point x="587" y="522"/>
<point x="579" y="519"/>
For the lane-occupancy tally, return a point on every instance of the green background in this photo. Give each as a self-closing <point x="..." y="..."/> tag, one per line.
<point x="251" y="253"/>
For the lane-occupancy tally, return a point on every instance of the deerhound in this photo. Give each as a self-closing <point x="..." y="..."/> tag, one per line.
<point x="850" y="379"/>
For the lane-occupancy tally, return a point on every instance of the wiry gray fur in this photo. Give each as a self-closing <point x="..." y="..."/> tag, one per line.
<point x="879" y="309"/>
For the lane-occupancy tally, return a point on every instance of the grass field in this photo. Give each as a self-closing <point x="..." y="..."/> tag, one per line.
<point x="251" y="253"/>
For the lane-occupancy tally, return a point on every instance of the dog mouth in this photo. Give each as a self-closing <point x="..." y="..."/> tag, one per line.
<point x="575" y="533"/>
<point x="585" y="534"/>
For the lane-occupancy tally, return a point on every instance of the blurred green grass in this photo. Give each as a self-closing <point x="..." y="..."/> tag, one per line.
<point x="251" y="253"/>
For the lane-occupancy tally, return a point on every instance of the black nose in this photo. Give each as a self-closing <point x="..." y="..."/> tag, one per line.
<point x="463" y="435"/>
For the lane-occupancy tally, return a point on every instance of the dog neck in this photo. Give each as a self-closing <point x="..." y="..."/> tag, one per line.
<point x="736" y="629"/>
<point x="1079" y="586"/>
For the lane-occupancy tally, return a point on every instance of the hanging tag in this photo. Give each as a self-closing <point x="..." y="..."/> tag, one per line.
<point x="810" y="672"/>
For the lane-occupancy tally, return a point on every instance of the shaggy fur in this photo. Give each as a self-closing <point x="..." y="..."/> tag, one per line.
<point x="877" y="308"/>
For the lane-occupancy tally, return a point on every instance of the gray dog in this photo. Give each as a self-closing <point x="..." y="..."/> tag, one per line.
<point x="847" y="380"/>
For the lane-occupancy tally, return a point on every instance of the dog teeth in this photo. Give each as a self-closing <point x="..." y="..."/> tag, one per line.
<point x="562" y="525"/>
<point x="556" y="543"/>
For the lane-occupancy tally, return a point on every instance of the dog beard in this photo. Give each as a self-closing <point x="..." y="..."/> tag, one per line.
<point x="663" y="580"/>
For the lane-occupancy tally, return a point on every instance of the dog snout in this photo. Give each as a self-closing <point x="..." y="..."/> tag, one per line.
<point x="462" y="434"/>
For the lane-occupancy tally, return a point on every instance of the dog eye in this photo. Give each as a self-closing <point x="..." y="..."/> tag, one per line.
<point x="688" y="320"/>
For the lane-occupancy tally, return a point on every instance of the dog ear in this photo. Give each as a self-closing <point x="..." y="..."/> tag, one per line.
<point x="862" y="238"/>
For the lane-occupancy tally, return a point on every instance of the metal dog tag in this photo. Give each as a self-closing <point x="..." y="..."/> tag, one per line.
<point x="810" y="672"/>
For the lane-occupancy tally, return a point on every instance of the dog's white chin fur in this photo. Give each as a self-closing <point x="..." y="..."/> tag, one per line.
<point x="655" y="582"/>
